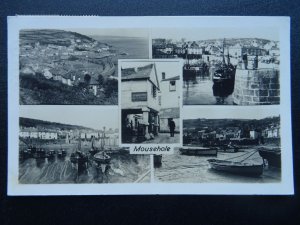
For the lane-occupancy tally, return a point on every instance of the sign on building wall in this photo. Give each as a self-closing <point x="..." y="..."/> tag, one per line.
<point x="138" y="96"/>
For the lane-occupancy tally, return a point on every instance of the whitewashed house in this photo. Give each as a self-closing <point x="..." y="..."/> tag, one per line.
<point x="140" y="105"/>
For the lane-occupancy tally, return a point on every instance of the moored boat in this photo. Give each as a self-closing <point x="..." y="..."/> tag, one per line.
<point x="241" y="168"/>
<point x="78" y="157"/>
<point x="225" y="74"/>
<point x="102" y="157"/>
<point x="272" y="155"/>
<point x="200" y="151"/>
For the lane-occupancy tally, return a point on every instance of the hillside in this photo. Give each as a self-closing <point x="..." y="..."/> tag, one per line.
<point x="233" y="41"/>
<point x="63" y="67"/>
<point x="54" y="37"/>
<point x="28" y="122"/>
<point x="213" y="124"/>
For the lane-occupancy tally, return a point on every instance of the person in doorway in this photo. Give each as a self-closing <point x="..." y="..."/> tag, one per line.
<point x="172" y="127"/>
<point x="255" y="67"/>
<point x="245" y="60"/>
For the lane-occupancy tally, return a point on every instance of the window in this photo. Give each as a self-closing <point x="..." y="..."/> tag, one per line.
<point x="163" y="75"/>
<point x="159" y="100"/>
<point x="172" y="85"/>
<point x="153" y="91"/>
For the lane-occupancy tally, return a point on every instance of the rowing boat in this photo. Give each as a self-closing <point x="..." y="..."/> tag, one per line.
<point x="241" y="168"/>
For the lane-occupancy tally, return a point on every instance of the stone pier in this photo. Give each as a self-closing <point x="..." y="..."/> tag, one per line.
<point x="256" y="87"/>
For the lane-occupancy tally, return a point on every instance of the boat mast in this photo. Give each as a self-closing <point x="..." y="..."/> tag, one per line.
<point x="102" y="139"/>
<point x="79" y="142"/>
<point x="223" y="51"/>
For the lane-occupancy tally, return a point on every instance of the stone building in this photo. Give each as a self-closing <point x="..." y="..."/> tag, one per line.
<point x="140" y="104"/>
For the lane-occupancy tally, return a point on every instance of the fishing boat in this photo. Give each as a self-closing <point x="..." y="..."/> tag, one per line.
<point x="199" y="151"/>
<point x="241" y="168"/>
<point x="39" y="153"/>
<point x="225" y="73"/>
<point x="102" y="157"/>
<point x="271" y="155"/>
<point x="51" y="154"/>
<point x="99" y="155"/>
<point x="61" y="153"/>
<point x="79" y="157"/>
<point x="229" y="148"/>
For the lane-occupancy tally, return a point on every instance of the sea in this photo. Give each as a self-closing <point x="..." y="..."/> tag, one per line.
<point x="202" y="92"/>
<point x="134" y="47"/>
<point x="178" y="168"/>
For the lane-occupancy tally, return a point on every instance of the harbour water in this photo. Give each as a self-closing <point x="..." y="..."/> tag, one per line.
<point x="179" y="168"/>
<point x="135" y="48"/>
<point x="204" y="92"/>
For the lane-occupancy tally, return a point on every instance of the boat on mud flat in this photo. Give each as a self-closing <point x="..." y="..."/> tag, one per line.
<point x="61" y="153"/>
<point x="199" y="151"/>
<point x="39" y="153"/>
<point x="240" y="168"/>
<point x="102" y="157"/>
<point x="78" y="157"/>
<point x="272" y="155"/>
<point x="51" y="154"/>
<point x="229" y="148"/>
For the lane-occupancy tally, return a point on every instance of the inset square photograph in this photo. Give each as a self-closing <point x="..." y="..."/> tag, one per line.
<point x="151" y="100"/>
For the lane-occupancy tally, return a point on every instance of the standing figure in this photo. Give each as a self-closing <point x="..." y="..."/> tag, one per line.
<point x="255" y="62"/>
<point x="245" y="60"/>
<point x="172" y="127"/>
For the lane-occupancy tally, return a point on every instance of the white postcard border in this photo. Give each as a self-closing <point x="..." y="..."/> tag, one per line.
<point x="22" y="22"/>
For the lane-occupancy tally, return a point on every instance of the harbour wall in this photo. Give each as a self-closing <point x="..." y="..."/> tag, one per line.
<point x="256" y="87"/>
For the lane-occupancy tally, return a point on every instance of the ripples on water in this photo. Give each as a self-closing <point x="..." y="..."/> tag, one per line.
<point x="179" y="168"/>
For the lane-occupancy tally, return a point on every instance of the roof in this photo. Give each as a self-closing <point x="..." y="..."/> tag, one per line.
<point x="138" y="73"/>
<point x="169" y="113"/>
<point x="172" y="78"/>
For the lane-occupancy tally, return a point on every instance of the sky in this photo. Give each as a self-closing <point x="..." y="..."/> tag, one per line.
<point x="224" y="112"/>
<point x="89" y="116"/>
<point x="196" y="34"/>
<point x="122" y="32"/>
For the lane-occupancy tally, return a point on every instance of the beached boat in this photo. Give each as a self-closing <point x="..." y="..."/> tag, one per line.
<point x="78" y="157"/>
<point x="241" y="168"/>
<point x="229" y="148"/>
<point x="272" y="155"/>
<point x="102" y="157"/>
<point x="200" y="151"/>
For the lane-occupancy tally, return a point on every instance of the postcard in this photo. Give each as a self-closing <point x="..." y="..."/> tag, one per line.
<point x="149" y="105"/>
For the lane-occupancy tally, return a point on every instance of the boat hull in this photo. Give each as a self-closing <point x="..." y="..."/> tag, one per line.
<point x="236" y="168"/>
<point x="102" y="157"/>
<point x="199" y="151"/>
<point x="273" y="157"/>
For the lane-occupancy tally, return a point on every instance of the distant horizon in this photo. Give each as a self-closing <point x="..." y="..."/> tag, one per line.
<point x="93" y="117"/>
<point x="122" y="32"/>
<point x="57" y="122"/>
<point x="202" y="34"/>
<point x="245" y="112"/>
<point x="201" y="118"/>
